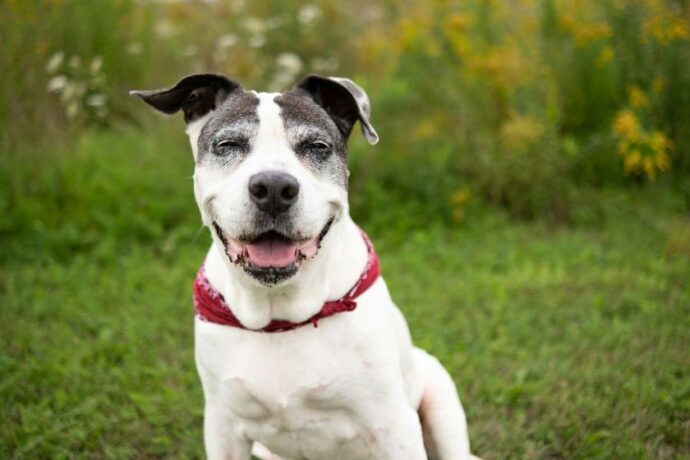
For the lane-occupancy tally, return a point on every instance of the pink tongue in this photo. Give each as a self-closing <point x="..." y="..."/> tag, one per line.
<point x="272" y="253"/>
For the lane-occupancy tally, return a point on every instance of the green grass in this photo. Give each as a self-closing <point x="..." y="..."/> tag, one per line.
<point x="564" y="342"/>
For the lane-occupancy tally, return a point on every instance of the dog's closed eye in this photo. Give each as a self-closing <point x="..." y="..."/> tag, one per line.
<point x="315" y="147"/>
<point x="227" y="146"/>
<point x="321" y="145"/>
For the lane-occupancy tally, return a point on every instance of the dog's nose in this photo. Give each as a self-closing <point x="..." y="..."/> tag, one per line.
<point x="273" y="191"/>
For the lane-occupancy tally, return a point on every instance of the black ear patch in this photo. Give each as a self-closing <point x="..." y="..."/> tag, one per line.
<point x="344" y="101"/>
<point x="195" y="95"/>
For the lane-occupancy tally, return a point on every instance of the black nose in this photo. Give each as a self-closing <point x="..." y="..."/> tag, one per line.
<point x="273" y="191"/>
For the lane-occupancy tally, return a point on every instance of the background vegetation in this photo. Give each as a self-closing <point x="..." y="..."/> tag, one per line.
<point x="529" y="199"/>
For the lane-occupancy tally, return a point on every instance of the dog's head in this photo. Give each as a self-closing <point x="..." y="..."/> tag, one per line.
<point x="271" y="171"/>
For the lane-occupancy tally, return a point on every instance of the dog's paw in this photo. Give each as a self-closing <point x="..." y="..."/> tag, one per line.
<point x="261" y="452"/>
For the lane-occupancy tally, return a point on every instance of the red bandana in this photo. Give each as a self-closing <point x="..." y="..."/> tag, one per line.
<point x="210" y="304"/>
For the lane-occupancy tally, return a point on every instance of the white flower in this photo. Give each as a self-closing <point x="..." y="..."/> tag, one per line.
<point x="289" y="63"/>
<point x="254" y="25"/>
<point x="72" y="110"/>
<point x="237" y="5"/>
<point x="165" y="29"/>
<point x="135" y="48"/>
<point x="190" y="51"/>
<point x="257" y="41"/>
<point x="74" y="62"/>
<point x="97" y="80"/>
<point x="226" y="41"/>
<point x="274" y="23"/>
<point x="288" y="66"/>
<point x="324" y="65"/>
<point x="67" y="93"/>
<point x="219" y="56"/>
<point x="80" y="89"/>
<point x="96" y="65"/>
<point x="55" y="62"/>
<point x="73" y="91"/>
<point x="97" y="100"/>
<point x="57" y="84"/>
<point x="308" y="14"/>
<point x="280" y="82"/>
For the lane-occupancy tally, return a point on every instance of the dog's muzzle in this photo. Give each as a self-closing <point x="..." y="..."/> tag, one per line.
<point x="271" y="256"/>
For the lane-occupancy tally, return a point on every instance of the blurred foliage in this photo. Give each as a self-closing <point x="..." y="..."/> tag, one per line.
<point x="527" y="104"/>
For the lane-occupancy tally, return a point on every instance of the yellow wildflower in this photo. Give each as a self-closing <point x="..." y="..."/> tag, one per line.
<point x="503" y="66"/>
<point x="521" y="131"/>
<point x="626" y="124"/>
<point x="584" y="32"/>
<point x="680" y="30"/>
<point x="410" y="32"/>
<point x="638" y="99"/>
<point x="646" y="154"/>
<point x="632" y="161"/>
<point x="427" y="128"/>
<point x="458" y="201"/>
<point x="659" y="84"/>
<point x="661" y="146"/>
<point x="455" y="29"/>
<point x="659" y="142"/>
<point x="605" y="56"/>
<point x="592" y="32"/>
<point x="667" y="28"/>
<point x="457" y="23"/>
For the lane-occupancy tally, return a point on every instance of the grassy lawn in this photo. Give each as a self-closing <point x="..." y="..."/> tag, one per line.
<point x="564" y="342"/>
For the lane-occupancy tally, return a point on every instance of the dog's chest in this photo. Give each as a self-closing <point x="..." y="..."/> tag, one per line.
<point x="298" y="420"/>
<point x="302" y="399"/>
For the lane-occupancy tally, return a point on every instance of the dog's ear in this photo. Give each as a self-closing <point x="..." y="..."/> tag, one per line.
<point x="196" y="95"/>
<point x="344" y="101"/>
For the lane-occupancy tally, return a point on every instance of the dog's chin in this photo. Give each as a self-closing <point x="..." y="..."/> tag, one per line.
<point x="270" y="276"/>
<point x="271" y="257"/>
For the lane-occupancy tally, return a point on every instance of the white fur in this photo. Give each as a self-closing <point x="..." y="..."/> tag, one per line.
<point x="194" y="130"/>
<point x="348" y="389"/>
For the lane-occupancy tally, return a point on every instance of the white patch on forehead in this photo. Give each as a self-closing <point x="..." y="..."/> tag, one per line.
<point x="271" y="139"/>
<point x="193" y="130"/>
<point x="270" y="122"/>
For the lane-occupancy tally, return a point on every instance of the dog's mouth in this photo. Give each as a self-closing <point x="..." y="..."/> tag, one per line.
<point x="271" y="257"/>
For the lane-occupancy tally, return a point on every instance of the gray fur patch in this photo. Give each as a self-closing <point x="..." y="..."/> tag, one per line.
<point x="307" y="124"/>
<point x="236" y="120"/>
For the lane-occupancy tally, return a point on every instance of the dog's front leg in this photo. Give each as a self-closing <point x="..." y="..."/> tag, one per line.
<point x="397" y="434"/>
<point x="407" y="440"/>
<point x="220" y="441"/>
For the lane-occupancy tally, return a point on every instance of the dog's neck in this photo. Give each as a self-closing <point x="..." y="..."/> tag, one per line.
<point x="336" y="268"/>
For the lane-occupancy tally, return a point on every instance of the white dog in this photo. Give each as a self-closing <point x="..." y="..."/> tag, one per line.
<point x="301" y="351"/>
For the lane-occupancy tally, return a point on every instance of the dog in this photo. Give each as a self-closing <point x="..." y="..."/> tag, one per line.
<point x="301" y="352"/>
